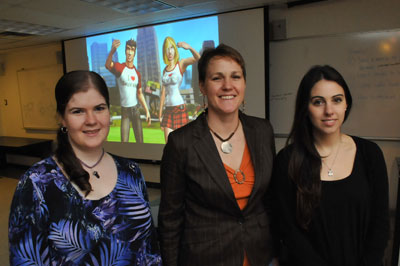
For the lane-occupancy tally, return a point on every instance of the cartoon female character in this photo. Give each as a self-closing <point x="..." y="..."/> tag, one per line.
<point x="175" y="115"/>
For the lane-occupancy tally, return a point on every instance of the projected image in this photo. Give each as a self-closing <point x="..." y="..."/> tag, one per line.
<point x="151" y="73"/>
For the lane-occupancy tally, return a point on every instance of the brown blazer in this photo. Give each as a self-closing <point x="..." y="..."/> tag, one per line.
<point x="200" y="222"/>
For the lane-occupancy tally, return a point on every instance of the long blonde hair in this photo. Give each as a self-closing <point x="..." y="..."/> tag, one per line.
<point x="170" y="41"/>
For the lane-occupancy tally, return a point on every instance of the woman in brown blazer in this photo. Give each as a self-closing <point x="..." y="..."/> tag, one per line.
<point x="215" y="174"/>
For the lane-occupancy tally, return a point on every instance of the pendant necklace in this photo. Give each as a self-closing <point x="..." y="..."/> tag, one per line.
<point x="95" y="173"/>
<point x="330" y="172"/>
<point x="226" y="146"/>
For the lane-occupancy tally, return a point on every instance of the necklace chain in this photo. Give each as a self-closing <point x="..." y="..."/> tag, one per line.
<point x="95" y="173"/>
<point x="230" y="136"/>
<point x="98" y="161"/>
<point x="330" y="172"/>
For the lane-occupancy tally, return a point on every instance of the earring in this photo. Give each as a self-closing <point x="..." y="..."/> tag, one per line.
<point x="64" y="130"/>
<point x="204" y="103"/>
<point x="243" y="107"/>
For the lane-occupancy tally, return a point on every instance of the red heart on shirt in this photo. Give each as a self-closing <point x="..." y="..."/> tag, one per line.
<point x="133" y="78"/>
<point x="170" y="75"/>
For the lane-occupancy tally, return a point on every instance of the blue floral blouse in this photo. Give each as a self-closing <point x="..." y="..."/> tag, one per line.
<point x="52" y="224"/>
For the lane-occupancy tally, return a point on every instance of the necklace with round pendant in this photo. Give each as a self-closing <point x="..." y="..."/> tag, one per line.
<point x="226" y="146"/>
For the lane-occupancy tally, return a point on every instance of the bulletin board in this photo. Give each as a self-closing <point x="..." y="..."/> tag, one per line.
<point x="370" y="64"/>
<point x="36" y="91"/>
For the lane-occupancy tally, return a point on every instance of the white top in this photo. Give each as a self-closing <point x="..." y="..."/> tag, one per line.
<point x="172" y="81"/>
<point x="128" y="80"/>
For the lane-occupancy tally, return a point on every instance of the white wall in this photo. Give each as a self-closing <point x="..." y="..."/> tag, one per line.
<point x="338" y="16"/>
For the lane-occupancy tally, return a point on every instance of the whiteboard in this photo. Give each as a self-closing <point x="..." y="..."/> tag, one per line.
<point x="370" y="64"/>
<point x="36" y="91"/>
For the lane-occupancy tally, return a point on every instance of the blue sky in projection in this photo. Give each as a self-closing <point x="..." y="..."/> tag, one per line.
<point x="193" y="32"/>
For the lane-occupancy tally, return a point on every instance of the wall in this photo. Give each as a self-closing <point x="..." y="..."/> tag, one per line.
<point x="17" y="59"/>
<point x="1" y="103"/>
<point x="338" y="16"/>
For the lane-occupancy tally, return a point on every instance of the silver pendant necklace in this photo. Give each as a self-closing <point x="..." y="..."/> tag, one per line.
<point x="226" y="146"/>
<point x="95" y="173"/>
<point x="330" y="171"/>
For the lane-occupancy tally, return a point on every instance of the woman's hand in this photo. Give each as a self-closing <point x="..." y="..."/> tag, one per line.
<point x="190" y="60"/>
<point x="183" y="45"/>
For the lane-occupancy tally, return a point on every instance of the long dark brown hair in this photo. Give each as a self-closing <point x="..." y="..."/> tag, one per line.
<point x="305" y="161"/>
<point x="69" y="84"/>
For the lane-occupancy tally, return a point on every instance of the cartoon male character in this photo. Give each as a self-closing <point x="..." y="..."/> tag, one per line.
<point x="130" y="91"/>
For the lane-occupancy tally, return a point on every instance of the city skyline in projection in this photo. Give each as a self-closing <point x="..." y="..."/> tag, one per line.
<point x="198" y="33"/>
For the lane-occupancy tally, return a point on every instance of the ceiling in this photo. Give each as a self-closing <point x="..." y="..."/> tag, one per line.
<point x="32" y="22"/>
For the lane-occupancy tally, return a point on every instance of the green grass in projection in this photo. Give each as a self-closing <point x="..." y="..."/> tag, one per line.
<point x="152" y="134"/>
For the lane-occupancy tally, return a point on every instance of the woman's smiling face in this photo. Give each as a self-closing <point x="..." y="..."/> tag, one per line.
<point x="87" y="118"/>
<point x="224" y="85"/>
<point x="327" y="107"/>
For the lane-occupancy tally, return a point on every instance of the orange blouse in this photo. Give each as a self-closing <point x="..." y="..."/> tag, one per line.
<point x="243" y="185"/>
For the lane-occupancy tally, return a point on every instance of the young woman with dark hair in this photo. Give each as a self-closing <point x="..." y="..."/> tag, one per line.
<point x="332" y="188"/>
<point x="82" y="206"/>
<point x="67" y="86"/>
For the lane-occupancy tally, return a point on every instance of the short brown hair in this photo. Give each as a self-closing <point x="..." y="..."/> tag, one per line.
<point x="130" y="42"/>
<point x="221" y="50"/>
